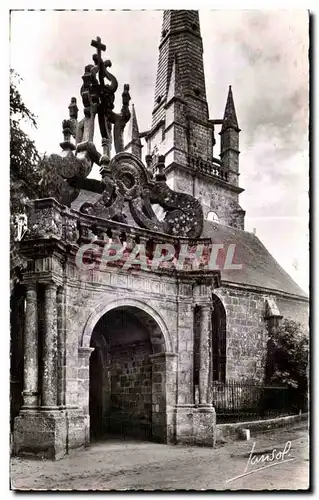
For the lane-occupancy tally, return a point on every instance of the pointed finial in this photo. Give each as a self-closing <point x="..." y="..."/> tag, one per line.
<point x="230" y="117"/>
<point x="134" y="131"/>
<point x="134" y="144"/>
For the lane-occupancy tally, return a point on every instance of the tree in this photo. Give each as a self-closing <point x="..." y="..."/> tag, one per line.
<point x="24" y="157"/>
<point x="24" y="171"/>
<point x="290" y="357"/>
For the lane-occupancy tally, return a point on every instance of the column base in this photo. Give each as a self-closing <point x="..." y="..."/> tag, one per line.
<point x="30" y="398"/>
<point x="49" y="433"/>
<point x="196" y="425"/>
<point x="163" y="425"/>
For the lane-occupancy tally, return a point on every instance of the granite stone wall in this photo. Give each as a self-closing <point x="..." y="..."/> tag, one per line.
<point x="293" y="309"/>
<point x="218" y="199"/>
<point x="131" y="389"/>
<point x="246" y="330"/>
<point x="213" y="197"/>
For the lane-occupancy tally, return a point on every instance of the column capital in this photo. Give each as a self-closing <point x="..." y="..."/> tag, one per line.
<point x="205" y="306"/>
<point x="85" y="351"/>
<point x="50" y="290"/>
<point x="52" y="285"/>
<point x="162" y="355"/>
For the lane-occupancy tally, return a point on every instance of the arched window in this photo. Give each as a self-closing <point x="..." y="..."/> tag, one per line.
<point x="212" y="216"/>
<point x="218" y="341"/>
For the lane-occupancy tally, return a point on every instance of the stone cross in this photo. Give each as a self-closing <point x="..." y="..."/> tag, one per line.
<point x="98" y="59"/>
<point x="99" y="47"/>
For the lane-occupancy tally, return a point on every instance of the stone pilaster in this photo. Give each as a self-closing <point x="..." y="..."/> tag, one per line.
<point x="30" y="391"/>
<point x="204" y="352"/>
<point x="84" y="354"/>
<point x="164" y="367"/>
<point x="49" y="374"/>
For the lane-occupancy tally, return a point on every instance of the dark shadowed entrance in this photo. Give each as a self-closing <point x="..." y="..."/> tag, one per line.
<point x="121" y="373"/>
<point x="218" y="340"/>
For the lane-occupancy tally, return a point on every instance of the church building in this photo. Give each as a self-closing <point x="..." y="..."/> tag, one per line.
<point x="99" y="347"/>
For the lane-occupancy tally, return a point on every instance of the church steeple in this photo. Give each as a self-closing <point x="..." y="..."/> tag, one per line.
<point x="180" y="104"/>
<point x="181" y="129"/>
<point x="180" y="37"/>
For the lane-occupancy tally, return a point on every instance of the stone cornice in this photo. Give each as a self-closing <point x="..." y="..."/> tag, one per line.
<point x="173" y="99"/>
<point x="259" y="289"/>
<point x="172" y="124"/>
<point x="203" y="175"/>
<point x="204" y="123"/>
<point x="229" y="149"/>
<point x="156" y="127"/>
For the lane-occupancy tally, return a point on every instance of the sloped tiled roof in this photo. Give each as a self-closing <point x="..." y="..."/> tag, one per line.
<point x="85" y="197"/>
<point x="259" y="268"/>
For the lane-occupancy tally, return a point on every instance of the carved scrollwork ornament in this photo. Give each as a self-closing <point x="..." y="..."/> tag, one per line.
<point x="131" y="183"/>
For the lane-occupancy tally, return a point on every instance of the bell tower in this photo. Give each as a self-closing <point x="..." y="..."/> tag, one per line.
<point x="181" y="128"/>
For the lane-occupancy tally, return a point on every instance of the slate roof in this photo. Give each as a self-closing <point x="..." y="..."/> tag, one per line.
<point x="85" y="197"/>
<point x="259" y="268"/>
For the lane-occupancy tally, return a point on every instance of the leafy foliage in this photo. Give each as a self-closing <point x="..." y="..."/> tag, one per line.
<point x="290" y="357"/>
<point x="24" y="157"/>
<point x="25" y="173"/>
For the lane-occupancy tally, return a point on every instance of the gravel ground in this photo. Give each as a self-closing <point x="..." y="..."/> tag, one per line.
<point x="134" y="465"/>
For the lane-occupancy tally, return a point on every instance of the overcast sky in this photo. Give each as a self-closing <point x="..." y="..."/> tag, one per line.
<point x="262" y="54"/>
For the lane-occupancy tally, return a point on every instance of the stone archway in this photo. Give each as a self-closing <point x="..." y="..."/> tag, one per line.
<point x="149" y="311"/>
<point x="128" y="381"/>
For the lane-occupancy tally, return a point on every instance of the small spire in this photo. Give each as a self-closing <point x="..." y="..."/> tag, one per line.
<point x="174" y="87"/>
<point x="134" y="133"/>
<point x="134" y="144"/>
<point x="230" y="117"/>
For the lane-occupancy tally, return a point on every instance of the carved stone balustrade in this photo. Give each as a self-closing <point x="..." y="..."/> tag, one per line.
<point x="53" y="226"/>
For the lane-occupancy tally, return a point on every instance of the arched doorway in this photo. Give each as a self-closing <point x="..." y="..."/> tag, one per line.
<point x="121" y="385"/>
<point x="218" y="341"/>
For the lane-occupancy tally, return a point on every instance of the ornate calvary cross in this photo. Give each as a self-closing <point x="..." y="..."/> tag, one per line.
<point x="99" y="48"/>
<point x="98" y="98"/>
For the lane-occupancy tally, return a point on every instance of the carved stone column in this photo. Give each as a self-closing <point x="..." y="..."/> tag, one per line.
<point x="204" y="352"/>
<point x="49" y="375"/>
<point x="60" y="348"/>
<point x="30" y="390"/>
